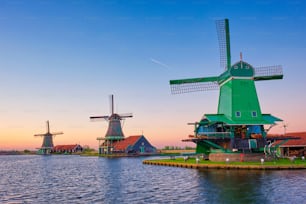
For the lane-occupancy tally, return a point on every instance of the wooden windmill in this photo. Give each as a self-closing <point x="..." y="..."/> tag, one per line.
<point x="47" y="144"/>
<point x="114" y="132"/>
<point x="239" y="122"/>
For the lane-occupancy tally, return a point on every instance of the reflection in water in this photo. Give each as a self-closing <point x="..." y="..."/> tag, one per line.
<point x="234" y="186"/>
<point x="254" y="186"/>
<point x="75" y="179"/>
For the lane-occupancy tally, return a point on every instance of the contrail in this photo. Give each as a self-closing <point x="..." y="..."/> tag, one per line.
<point x="159" y="63"/>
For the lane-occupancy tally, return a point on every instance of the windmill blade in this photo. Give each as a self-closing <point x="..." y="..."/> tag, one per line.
<point x="48" y="126"/>
<point x="39" y="135"/>
<point x="195" y="123"/>
<point x="57" y="133"/>
<point x="268" y="73"/>
<point x="222" y="27"/>
<point x="111" y="103"/>
<point x="126" y="115"/>
<point x="98" y="118"/>
<point x="193" y="85"/>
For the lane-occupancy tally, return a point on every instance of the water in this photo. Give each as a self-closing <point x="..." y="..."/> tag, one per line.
<point x="75" y="179"/>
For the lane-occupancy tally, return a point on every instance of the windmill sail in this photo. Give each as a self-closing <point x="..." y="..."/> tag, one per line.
<point x="268" y="72"/>
<point x="57" y="133"/>
<point x="224" y="43"/>
<point x="208" y="83"/>
<point x="98" y="118"/>
<point x="111" y="103"/>
<point x="192" y="85"/>
<point x="126" y="115"/>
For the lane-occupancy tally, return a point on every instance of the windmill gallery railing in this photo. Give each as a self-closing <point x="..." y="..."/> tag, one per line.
<point x="236" y="143"/>
<point x="213" y="135"/>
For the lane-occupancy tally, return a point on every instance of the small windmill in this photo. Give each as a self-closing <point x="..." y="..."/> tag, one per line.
<point x="239" y="114"/>
<point x="285" y="126"/>
<point x="114" y="132"/>
<point x="47" y="144"/>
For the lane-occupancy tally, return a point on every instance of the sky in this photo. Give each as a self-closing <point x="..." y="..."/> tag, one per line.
<point x="61" y="59"/>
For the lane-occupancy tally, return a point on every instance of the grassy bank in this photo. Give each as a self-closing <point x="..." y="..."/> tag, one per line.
<point x="192" y="163"/>
<point x="175" y="152"/>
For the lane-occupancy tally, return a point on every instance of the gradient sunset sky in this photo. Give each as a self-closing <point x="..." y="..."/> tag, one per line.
<point x="60" y="60"/>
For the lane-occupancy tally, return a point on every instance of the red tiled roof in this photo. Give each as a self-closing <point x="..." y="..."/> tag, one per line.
<point x="123" y="144"/>
<point x="64" y="147"/>
<point x="293" y="142"/>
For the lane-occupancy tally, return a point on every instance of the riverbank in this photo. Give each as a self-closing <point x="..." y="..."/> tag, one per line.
<point x="158" y="153"/>
<point x="280" y="164"/>
<point x="15" y="152"/>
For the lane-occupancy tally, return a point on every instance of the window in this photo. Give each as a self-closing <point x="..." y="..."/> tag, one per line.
<point x="238" y="114"/>
<point x="254" y="114"/>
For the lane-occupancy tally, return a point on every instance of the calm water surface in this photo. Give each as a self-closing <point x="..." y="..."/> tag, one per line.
<point x="75" y="179"/>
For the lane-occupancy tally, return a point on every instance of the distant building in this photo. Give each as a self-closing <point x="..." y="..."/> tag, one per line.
<point x="292" y="147"/>
<point x="67" y="148"/>
<point x="137" y="144"/>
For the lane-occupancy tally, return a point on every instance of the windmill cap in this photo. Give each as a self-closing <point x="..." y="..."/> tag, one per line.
<point x="114" y="116"/>
<point x="242" y="69"/>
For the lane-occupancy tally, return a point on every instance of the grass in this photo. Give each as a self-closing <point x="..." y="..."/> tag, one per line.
<point x="89" y="154"/>
<point x="278" y="162"/>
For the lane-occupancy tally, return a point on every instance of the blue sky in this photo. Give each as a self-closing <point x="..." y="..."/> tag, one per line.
<point x="59" y="61"/>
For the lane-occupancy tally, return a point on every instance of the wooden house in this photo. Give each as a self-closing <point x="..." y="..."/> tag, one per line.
<point x="137" y="144"/>
<point x="67" y="148"/>
<point x="292" y="147"/>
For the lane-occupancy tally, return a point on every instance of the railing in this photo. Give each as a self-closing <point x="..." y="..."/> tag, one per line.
<point x="214" y="134"/>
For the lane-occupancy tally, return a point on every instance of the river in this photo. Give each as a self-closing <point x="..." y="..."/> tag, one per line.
<point x="77" y="179"/>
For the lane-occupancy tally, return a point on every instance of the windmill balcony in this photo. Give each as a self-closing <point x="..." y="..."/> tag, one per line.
<point x="213" y="135"/>
<point x="114" y="137"/>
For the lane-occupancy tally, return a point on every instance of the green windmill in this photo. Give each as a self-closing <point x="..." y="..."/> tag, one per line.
<point x="239" y="125"/>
